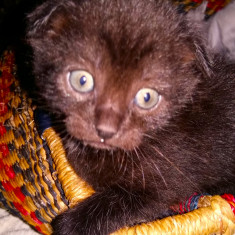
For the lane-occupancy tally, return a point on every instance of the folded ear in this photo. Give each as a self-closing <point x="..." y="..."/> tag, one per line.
<point x="49" y="18"/>
<point x="205" y="60"/>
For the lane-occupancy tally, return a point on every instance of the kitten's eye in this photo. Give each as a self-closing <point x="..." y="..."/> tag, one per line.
<point x="81" y="81"/>
<point x="147" y="98"/>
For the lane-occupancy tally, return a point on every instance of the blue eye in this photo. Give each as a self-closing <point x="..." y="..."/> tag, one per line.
<point x="81" y="81"/>
<point x="147" y="98"/>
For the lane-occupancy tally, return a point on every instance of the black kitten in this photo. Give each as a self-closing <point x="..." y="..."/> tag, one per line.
<point x="150" y="115"/>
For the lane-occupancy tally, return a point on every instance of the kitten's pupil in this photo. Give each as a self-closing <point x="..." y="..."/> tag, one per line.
<point x="83" y="80"/>
<point x="147" y="97"/>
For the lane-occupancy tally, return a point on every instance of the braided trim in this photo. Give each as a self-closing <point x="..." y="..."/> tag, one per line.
<point x="216" y="218"/>
<point x="74" y="187"/>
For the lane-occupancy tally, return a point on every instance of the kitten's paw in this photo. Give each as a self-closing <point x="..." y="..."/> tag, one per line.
<point x="104" y="213"/>
<point x="87" y="218"/>
<point x="64" y="224"/>
<point x="70" y="222"/>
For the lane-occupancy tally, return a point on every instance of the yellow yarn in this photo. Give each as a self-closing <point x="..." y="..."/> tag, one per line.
<point x="74" y="187"/>
<point x="217" y="218"/>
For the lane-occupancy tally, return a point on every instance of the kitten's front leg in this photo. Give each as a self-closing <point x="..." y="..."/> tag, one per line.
<point x="105" y="212"/>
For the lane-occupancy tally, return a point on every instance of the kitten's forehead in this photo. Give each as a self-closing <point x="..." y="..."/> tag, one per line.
<point x="122" y="38"/>
<point x="128" y="29"/>
<point x="128" y="32"/>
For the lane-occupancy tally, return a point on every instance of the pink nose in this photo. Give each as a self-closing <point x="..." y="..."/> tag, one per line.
<point x="105" y="132"/>
<point x="107" y="122"/>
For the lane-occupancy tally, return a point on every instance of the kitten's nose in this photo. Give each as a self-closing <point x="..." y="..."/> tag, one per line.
<point x="105" y="132"/>
<point x="107" y="122"/>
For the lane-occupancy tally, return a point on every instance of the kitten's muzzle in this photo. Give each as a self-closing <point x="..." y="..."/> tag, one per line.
<point x="107" y="122"/>
<point x="105" y="133"/>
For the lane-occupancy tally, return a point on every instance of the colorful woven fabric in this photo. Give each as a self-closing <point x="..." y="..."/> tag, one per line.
<point x="30" y="182"/>
<point x="37" y="182"/>
<point x="27" y="188"/>
<point x="212" y="6"/>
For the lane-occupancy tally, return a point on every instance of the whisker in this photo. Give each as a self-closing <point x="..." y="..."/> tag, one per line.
<point x="121" y="161"/>
<point x="132" y="169"/>
<point x="142" y="170"/>
<point x="177" y="168"/>
<point x="157" y="168"/>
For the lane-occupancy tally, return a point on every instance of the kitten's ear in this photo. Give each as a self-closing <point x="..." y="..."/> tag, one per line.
<point x="199" y="55"/>
<point x="196" y="23"/>
<point x="204" y="59"/>
<point x="49" y="18"/>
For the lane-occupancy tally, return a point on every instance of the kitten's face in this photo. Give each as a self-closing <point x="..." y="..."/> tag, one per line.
<point x="118" y="78"/>
<point x="108" y="107"/>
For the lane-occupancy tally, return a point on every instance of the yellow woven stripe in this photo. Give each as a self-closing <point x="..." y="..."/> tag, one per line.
<point x="5" y="117"/>
<point x="74" y="187"/>
<point x="16" y="182"/>
<point x="23" y="164"/>
<point x="40" y="155"/>
<point x="47" y="174"/>
<point x="29" y="205"/>
<point x="15" y="101"/>
<point x="46" y="228"/>
<point x="10" y="159"/>
<point x="9" y="196"/>
<point x="217" y="218"/>
<point x="8" y="137"/>
<point x="45" y="215"/>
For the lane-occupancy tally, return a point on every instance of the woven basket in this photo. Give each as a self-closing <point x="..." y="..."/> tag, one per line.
<point x="212" y="5"/>
<point x="36" y="181"/>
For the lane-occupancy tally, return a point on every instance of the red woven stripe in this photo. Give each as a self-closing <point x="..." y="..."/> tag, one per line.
<point x="231" y="200"/>
<point x="7" y="185"/>
<point x="39" y="230"/>
<point x="4" y="151"/>
<point x="19" y="194"/>
<point x="197" y="1"/>
<point x="9" y="171"/>
<point x="35" y="219"/>
<point x="1" y="164"/>
<point x="3" y="94"/>
<point x="2" y="130"/>
<point x="3" y="109"/>
<point x="6" y="79"/>
<point x="20" y="208"/>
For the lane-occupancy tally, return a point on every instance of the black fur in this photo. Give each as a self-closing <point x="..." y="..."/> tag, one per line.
<point x="153" y="158"/>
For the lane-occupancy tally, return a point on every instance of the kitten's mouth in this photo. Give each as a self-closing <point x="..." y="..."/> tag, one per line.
<point x="99" y="145"/>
